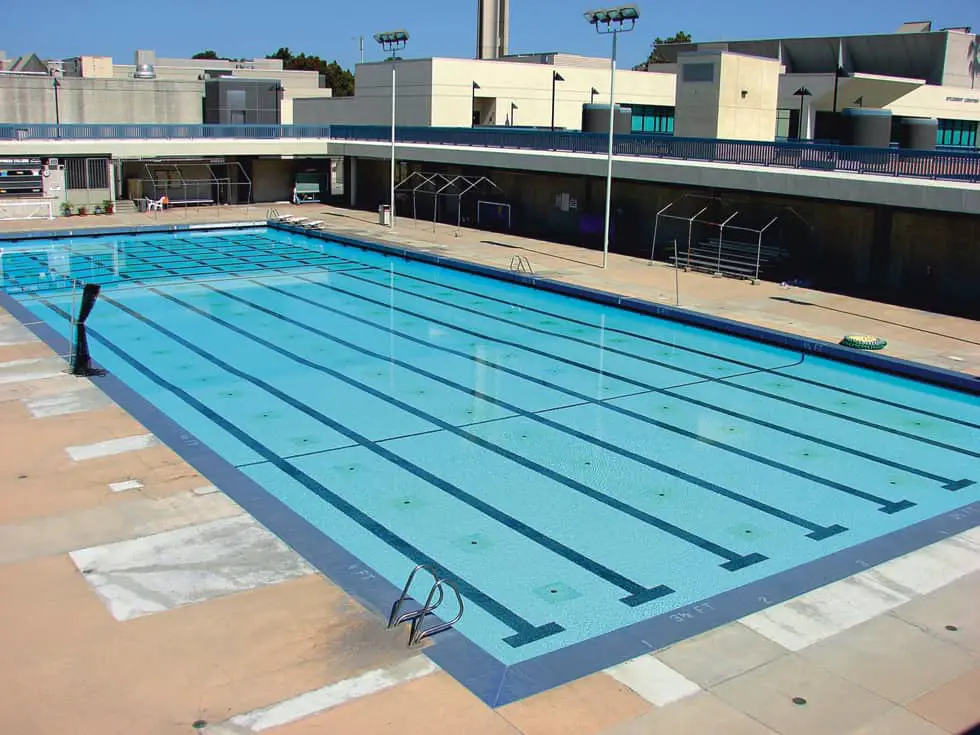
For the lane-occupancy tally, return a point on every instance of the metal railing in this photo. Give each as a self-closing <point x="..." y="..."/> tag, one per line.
<point x="939" y="164"/>
<point x="74" y="131"/>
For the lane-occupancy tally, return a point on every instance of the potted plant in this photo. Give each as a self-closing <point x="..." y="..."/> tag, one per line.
<point x="82" y="211"/>
<point x="108" y="207"/>
<point x="66" y="209"/>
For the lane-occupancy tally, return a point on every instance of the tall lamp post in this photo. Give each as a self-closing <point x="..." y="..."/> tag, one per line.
<point x="57" y="106"/>
<point x="594" y="93"/>
<point x="513" y="113"/>
<point x="612" y="21"/>
<point x="802" y="93"/>
<point x="555" y="78"/>
<point x="392" y="42"/>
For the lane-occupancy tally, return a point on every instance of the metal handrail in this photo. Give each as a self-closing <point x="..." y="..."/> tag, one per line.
<point x="394" y="618"/>
<point x="417" y="634"/>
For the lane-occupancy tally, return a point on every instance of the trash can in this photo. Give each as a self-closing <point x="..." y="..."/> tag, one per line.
<point x="384" y="215"/>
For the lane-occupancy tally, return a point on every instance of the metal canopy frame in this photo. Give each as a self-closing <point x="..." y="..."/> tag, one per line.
<point x="437" y="185"/>
<point x="418" y="182"/>
<point x="697" y="206"/>
<point x="461" y="186"/>
<point x="192" y="190"/>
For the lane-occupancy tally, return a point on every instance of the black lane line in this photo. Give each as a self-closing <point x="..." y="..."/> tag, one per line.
<point x="638" y="594"/>
<point x="524" y="631"/>
<point x="816" y="531"/>
<point x="580" y="365"/>
<point x="734" y="561"/>
<point x="654" y="340"/>
<point x="846" y="417"/>
<point x="428" y="432"/>
<point x="946" y="482"/>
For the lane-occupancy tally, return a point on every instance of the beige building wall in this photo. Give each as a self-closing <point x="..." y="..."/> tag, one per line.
<point x="748" y="98"/>
<point x="528" y="87"/>
<point x="726" y="96"/>
<point x="30" y="99"/>
<point x="950" y="103"/>
<point x="698" y="96"/>
<point x="371" y="103"/>
<point x="439" y="92"/>
<point x="90" y="67"/>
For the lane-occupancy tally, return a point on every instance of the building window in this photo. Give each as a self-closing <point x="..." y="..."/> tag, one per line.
<point x="698" y="72"/>
<point x="957" y="132"/>
<point x="653" y="119"/>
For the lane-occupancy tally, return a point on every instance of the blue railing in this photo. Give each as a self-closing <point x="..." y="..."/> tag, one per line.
<point x="939" y="164"/>
<point x="117" y="131"/>
<point x="943" y="164"/>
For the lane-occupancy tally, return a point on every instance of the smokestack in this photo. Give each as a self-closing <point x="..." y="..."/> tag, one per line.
<point x="493" y="28"/>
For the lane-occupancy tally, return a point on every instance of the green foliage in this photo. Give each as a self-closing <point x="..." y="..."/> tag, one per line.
<point x="656" y="50"/>
<point x="340" y="80"/>
<point x="208" y="54"/>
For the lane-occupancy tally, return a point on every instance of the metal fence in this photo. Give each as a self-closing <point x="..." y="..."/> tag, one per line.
<point x="75" y="131"/>
<point x="938" y="164"/>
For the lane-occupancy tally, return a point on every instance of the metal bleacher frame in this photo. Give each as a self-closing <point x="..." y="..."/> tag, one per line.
<point x="717" y="255"/>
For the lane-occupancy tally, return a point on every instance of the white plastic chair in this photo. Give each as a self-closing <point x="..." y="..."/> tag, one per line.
<point x="154" y="204"/>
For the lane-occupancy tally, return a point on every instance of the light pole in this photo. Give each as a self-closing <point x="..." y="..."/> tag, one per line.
<point x="57" y="106"/>
<point x="802" y="93"/>
<point x="594" y="93"/>
<point x="513" y="113"/>
<point x="392" y="41"/>
<point x="473" y="105"/>
<point x="555" y="78"/>
<point x="614" y="21"/>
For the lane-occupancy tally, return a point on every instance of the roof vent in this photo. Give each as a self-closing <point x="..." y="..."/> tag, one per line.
<point x="145" y="71"/>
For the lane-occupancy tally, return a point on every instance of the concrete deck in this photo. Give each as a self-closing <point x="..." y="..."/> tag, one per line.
<point x="137" y="598"/>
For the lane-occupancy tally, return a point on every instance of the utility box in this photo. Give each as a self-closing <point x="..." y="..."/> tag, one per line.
<point x="384" y="215"/>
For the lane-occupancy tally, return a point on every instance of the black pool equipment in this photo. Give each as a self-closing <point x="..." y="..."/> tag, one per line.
<point x="81" y="360"/>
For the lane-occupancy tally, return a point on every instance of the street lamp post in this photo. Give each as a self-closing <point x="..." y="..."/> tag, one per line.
<point x="802" y="93"/>
<point x="594" y="93"/>
<point x="555" y="78"/>
<point x="473" y="105"/>
<point x="57" y="106"/>
<point x="392" y="41"/>
<point x="612" y="21"/>
<point x="513" y="113"/>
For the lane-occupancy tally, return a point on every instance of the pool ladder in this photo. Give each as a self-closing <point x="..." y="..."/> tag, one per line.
<point x="520" y="264"/>
<point x="416" y="617"/>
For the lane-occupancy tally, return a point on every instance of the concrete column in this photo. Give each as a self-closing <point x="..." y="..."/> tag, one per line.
<point x="352" y="182"/>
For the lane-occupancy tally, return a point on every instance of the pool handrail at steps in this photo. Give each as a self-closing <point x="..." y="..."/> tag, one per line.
<point x="416" y="617"/>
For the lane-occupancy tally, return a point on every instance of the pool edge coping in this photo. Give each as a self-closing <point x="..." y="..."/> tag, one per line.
<point x="494" y="683"/>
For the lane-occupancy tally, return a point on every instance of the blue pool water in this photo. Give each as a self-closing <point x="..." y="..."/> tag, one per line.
<point x="575" y="468"/>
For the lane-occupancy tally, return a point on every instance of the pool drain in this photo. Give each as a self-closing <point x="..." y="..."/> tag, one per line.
<point x="799" y="701"/>
<point x="199" y="724"/>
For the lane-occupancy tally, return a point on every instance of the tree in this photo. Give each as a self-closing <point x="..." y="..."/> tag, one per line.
<point x="340" y="80"/>
<point x="657" y="55"/>
<point x="208" y="54"/>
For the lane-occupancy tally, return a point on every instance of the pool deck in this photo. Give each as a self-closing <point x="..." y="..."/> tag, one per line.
<point x="139" y="599"/>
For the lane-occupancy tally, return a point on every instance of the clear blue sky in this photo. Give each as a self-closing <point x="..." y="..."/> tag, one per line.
<point x="250" y="28"/>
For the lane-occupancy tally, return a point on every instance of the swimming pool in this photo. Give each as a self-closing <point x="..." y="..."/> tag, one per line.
<point x="577" y="469"/>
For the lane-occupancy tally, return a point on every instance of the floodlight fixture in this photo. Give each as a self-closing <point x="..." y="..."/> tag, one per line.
<point x="392" y="40"/>
<point x="613" y="20"/>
